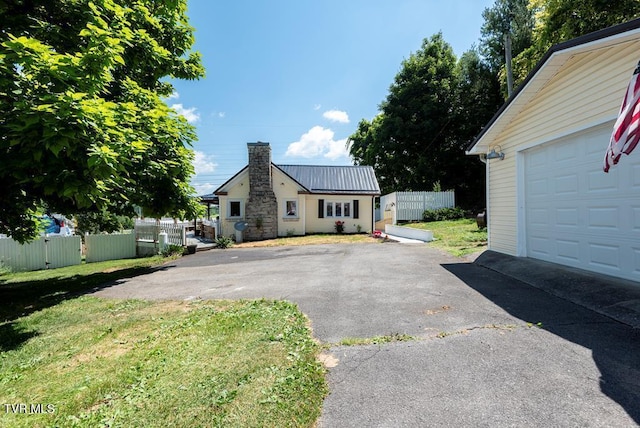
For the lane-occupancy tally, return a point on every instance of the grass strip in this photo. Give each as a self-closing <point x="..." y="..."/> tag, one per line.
<point x="457" y="237"/>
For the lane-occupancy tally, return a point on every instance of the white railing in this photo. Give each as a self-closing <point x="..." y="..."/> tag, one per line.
<point x="148" y="232"/>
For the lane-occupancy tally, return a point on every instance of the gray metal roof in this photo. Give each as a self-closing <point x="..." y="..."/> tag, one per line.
<point x="358" y="179"/>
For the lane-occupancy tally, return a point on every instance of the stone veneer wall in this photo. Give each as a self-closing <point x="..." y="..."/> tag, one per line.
<point x="261" y="210"/>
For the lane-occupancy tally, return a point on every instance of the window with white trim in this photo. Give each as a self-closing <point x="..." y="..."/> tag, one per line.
<point x="337" y="209"/>
<point x="291" y="208"/>
<point x="234" y="208"/>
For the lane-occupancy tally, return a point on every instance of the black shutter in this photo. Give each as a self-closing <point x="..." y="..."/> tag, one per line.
<point x="355" y="208"/>
<point x="320" y="208"/>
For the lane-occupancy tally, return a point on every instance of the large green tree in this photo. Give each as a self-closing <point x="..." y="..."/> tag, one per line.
<point x="561" y="20"/>
<point x="557" y="21"/>
<point x="83" y="125"/>
<point x="434" y="107"/>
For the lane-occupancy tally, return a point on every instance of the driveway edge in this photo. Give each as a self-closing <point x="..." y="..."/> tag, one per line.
<point x="615" y="298"/>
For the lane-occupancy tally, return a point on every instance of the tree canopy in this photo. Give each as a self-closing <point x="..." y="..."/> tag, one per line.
<point x="83" y="125"/>
<point x="434" y="107"/>
<point x="437" y="104"/>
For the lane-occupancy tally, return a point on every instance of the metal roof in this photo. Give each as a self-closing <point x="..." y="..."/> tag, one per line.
<point x="358" y="179"/>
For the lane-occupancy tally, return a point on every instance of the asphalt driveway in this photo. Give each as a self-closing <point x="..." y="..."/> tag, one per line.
<point x="489" y="350"/>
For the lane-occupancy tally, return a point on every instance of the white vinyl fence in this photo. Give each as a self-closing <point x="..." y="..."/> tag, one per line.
<point x="43" y="253"/>
<point x="59" y="251"/>
<point x="409" y="206"/>
<point x="109" y="247"/>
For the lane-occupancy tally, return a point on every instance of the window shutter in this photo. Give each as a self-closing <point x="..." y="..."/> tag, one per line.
<point x="356" y="212"/>
<point x="320" y="208"/>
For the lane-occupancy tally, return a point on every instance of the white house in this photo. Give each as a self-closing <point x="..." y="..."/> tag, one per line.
<point x="283" y="200"/>
<point x="548" y="197"/>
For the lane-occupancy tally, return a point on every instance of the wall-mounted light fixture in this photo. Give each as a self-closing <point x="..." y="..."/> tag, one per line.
<point x="493" y="154"/>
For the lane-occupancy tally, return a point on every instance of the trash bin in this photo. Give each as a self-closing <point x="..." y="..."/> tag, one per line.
<point x="481" y="219"/>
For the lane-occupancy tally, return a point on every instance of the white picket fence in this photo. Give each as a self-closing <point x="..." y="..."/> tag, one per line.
<point x="409" y="206"/>
<point x="54" y="252"/>
<point x="148" y="232"/>
<point x="43" y="253"/>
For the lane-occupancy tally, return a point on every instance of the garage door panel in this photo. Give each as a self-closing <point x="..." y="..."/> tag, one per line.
<point x="597" y="182"/>
<point x="537" y="161"/>
<point x="635" y="177"/>
<point x="566" y="185"/>
<point x="605" y="256"/>
<point x="539" y="188"/>
<point x="568" y="250"/>
<point x="567" y="217"/>
<point x="539" y="217"/>
<point x="539" y="246"/>
<point x="577" y="215"/>
<point x="635" y="219"/>
<point x="606" y="219"/>
<point x="636" y="262"/>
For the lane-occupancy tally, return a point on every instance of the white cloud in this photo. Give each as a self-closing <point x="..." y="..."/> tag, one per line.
<point x="203" y="163"/>
<point x="336" y="116"/>
<point x="317" y="107"/>
<point x="337" y="149"/>
<point x="189" y="113"/>
<point x="318" y="141"/>
<point x="221" y="114"/>
<point x="204" y="189"/>
<point x="174" y="96"/>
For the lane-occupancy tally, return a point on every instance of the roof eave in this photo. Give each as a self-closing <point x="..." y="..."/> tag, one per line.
<point x="544" y="70"/>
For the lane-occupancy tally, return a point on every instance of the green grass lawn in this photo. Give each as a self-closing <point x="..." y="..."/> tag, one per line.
<point x="68" y="359"/>
<point x="458" y="237"/>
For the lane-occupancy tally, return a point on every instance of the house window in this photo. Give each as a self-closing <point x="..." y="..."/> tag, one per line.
<point x="291" y="208"/>
<point x="338" y="209"/>
<point x="235" y="209"/>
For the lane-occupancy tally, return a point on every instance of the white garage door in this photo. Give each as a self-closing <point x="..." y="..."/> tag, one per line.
<point x="577" y="215"/>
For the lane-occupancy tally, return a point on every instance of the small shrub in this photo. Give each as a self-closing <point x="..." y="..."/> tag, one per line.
<point x="290" y="233"/>
<point x="339" y="226"/>
<point x="223" y="242"/>
<point x="172" y="250"/>
<point x="5" y="269"/>
<point x="441" y="214"/>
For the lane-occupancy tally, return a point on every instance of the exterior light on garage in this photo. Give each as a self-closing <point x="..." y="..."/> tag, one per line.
<point x="496" y="155"/>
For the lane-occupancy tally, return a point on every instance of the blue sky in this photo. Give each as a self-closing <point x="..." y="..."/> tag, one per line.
<point x="301" y="74"/>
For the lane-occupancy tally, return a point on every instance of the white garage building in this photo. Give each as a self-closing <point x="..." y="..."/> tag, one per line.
<point x="549" y="198"/>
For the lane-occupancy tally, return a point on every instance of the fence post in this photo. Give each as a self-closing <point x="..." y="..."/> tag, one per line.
<point x="163" y="238"/>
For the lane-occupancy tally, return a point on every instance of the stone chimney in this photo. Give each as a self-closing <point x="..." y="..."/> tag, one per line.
<point x="261" y="210"/>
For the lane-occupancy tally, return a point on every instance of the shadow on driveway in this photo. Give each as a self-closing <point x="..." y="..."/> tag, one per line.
<point x="615" y="346"/>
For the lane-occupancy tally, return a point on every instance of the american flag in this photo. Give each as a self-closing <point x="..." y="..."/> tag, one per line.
<point x="626" y="131"/>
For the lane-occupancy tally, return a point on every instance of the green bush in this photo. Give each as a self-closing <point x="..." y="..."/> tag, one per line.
<point x="223" y="242"/>
<point x="441" y="214"/>
<point x="172" y="250"/>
